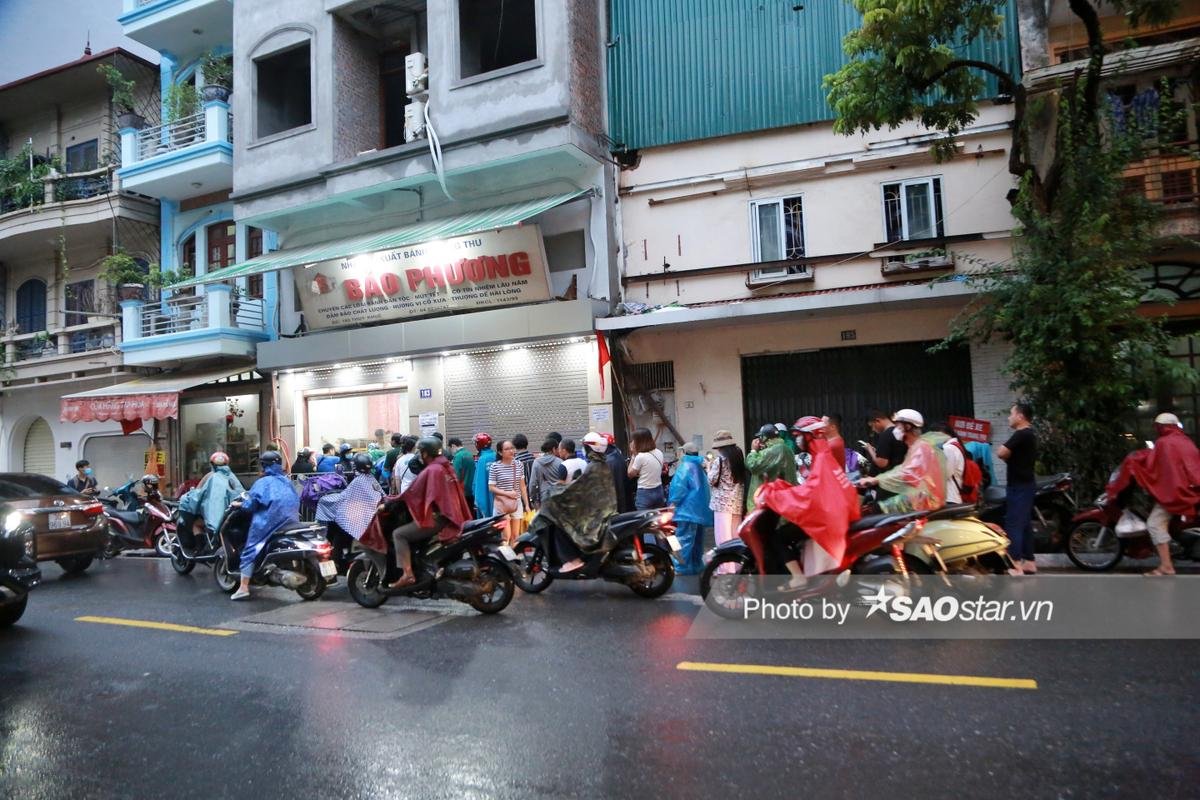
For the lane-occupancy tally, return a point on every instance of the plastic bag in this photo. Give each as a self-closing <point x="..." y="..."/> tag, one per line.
<point x="1130" y="524"/>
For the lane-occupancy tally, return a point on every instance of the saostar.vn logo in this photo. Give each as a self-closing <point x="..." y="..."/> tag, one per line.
<point x="947" y="608"/>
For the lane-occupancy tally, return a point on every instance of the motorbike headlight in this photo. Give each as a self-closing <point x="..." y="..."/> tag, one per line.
<point x="12" y="521"/>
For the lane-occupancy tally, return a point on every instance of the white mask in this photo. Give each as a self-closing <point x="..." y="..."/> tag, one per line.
<point x="898" y="433"/>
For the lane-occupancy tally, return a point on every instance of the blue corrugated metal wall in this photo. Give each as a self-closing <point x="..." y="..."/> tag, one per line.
<point x="680" y="70"/>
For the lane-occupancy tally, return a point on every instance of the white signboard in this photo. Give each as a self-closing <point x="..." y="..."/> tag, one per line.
<point x="484" y="270"/>
<point x="427" y="421"/>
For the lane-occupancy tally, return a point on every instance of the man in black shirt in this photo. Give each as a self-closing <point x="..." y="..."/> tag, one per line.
<point x="886" y="451"/>
<point x="1020" y="454"/>
<point x="84" y="481"/>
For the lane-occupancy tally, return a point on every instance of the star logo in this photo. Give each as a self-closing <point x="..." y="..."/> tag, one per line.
<point x="879" y="601"/>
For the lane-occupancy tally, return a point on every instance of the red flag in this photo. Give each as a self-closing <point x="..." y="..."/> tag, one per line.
<point x="129" y="426"/>
<point x="823" y="506"/>
<point x="605" y="357"/>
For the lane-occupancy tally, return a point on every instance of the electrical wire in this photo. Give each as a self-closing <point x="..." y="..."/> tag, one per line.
<point x="435" y="152"/>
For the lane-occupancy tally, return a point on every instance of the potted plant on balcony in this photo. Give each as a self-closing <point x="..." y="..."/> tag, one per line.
<point x="218" y="77"/>
<point x="121" y="270"/>
<point x="122" y="96"/>
<point x="183" y="101"/>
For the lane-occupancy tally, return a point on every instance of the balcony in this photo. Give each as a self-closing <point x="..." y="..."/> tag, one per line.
<point x="178" y="26"/>
<point x="1171" y="181"/>
<point x="173" y="330"/>
<point x="38" y="357"/>
<point x="180" y="159"/>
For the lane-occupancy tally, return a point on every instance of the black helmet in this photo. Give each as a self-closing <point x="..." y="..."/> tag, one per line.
<point x="344" y="448"/>
<point x="363" y="463"/>
<point x="270" y="457"/>
<point x="429" y="446"/>
<point x="768" y="431"/>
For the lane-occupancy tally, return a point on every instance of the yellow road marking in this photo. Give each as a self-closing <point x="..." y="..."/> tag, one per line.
<point x="860" y="675"/>
<point x="158" y="626"/>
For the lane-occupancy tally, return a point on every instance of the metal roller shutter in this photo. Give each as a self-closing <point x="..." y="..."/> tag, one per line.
<point x="853" y="380"/>
<point x="117" y="458"/>
<point x="39" y="449"/>
<point x="529" y="390"/>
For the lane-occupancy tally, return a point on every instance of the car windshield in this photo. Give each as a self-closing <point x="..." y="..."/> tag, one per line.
<point x="21" y="487"/>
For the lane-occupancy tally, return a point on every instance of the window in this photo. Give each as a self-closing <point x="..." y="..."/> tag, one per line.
<point x="778" y="230"/>
<point x="494" y="34"/>
<point x="31" y="306"/>
<point x="284" y="86"/>
<point x="913" y="209"/>
<point x="222" y="245"/>
<point x="81" y="296"/>
<point x="82" y="157"/>
<point x="254" y="247"/>
<point x="392" y="91"/>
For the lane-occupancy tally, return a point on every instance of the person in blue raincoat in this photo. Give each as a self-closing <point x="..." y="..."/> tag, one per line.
<point x="689" y="495"/>
<point x="272" y="503"/>
<point x="483" y="497"/>
<point x="218" y="489"/>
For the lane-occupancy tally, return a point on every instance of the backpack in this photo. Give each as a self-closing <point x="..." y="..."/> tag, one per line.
<point x="971" y="487"/>
<point x="318" y="486"/>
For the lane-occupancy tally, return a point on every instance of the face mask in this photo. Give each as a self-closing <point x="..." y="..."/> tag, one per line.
<point x="87" y="471"/>
<point x="899" y="434"/>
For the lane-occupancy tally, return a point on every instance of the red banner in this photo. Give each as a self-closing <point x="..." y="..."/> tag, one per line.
<point x="120" y="407"/>
<point x="971" y="430"/>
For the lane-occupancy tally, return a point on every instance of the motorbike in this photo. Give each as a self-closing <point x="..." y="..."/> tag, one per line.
<point x="297" y="556"/>
<point x="473" y="568"/>
<point x="123" y="497"/>
<point x="207" y="548"/>
<point x="1053" y="510"/>
<point x="150" y="525"/>
<point x="640" y="559"/>
<point x="1094" y="545"/>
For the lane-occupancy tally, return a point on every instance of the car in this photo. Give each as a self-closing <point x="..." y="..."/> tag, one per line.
<point x="70" y="528"/>
<point x="18" y="564"/>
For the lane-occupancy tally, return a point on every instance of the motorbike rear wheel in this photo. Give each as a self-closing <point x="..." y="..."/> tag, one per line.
<point x="181" y="565"/>
<point x="227" y="581"/>
<point x="732" y="588"/>
<point x="502" y="591"/>
<point x="531" y="572"/>
<point x="1093" y="547"/>
<point x="664" y="573"/>
<point x="365" y="582"/>
<point x="314" y="585"/>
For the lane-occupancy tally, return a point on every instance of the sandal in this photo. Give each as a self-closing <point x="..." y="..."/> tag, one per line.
<point x="792" y="586"/>
<point x="402" y="582"/>
<point x="1157" y="572"/>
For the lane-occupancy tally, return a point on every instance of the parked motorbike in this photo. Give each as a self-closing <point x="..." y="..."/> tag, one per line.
<point x="641" y="558"/>
<point x="124" y="497"/>
<point x="473" y="568"/>
<point x="1094" y="545"/>
<point x="1053" y="509"/>
<point x="150" y="525"/>
<point x="296" y="557"/>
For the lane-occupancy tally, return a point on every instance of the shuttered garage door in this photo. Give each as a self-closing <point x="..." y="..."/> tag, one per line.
<point x="39" y="448"/>
<point x="529" y="390"/>
<point x="853" y="380"/>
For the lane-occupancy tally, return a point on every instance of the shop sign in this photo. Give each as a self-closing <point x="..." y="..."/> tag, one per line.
<point x="484" y="270"/>
<point x="971" y="430"/>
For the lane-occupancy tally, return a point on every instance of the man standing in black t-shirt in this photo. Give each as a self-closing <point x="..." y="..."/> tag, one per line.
<point x="1020" y="453"/>
<point x="886" y="451"/>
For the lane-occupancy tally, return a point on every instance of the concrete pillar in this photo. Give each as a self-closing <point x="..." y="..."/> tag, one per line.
<point x="220" y="314"/>
<point x="129" y="148"/>
<point x="216" y="121"/>
<point x="131" y="319"/>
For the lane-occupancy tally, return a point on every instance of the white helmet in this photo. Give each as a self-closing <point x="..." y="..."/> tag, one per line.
<point x="596" y="442"/>
<point x="909" y="416"/>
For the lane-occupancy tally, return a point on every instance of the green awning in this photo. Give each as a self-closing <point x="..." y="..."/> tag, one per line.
<point x="429" y="231"/>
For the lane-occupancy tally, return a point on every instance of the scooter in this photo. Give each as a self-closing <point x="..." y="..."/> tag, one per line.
<point x="1053" y="509"/>
<point x="151" y="524"/>
<point x="123" y="497"/>
<point x="473" y="568"/>
<point x="641" y="558"/>
<point x="206" y="549"/>
<point x="296" y="557"/>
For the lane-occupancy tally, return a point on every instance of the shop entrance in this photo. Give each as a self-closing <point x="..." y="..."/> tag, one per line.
<point x="853" y="380"/>
<point x="38" y="452"/>
<point x="358" y="419"/>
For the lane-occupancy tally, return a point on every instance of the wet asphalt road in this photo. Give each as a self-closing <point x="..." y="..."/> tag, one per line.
<point x="574" y="693"/>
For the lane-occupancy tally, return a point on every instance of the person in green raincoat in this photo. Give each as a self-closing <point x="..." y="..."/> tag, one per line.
<point x="919" y="483"/>
<point x="769" y="458"/>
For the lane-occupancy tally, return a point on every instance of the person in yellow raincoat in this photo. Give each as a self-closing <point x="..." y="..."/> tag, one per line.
<point x="919" y="483"/>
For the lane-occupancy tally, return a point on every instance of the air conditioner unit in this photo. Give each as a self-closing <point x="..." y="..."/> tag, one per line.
<point x="901" y="266"/>
<point x="414" y="120"/>
<point x="416" y="74"/>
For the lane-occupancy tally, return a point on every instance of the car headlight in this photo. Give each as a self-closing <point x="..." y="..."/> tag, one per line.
<point x="12" y="521"/>
<point x="30" y="546"/>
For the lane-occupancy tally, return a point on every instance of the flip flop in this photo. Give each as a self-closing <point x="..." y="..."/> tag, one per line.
<point x="1157" y="573"/>
<point x="402" y="583"/>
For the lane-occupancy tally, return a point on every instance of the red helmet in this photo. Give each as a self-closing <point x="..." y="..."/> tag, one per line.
<point x="608" y="437"/>
<point x="809" y="424"/>
<point x="219" y="459"/>
<point x="483" y="441"/>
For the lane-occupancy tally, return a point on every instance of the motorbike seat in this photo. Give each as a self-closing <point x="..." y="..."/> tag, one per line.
<point x="476" y="524"/>
<point x="993" y="495"/>
<point x="954" y="512"/>
<point x="131" y="517"/>
<point x="873" y="521"/>
<point x="295" y="527"/>
<point x="620" y="523"/>
<point x="1051" y="480"/>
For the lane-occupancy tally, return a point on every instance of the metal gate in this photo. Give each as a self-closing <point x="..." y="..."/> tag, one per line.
<point x="38" y="452"/>
<point x="853" y="380"/>
<point x="531" y="390"/>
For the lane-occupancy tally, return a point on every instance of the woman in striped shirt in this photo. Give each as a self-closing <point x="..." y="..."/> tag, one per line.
<point x="506" y="482"/>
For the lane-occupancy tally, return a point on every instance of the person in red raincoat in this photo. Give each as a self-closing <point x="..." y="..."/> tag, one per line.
<point x="1170" y="473"/>
<point x="437" y="503"/>
<point x="822" y="507"/>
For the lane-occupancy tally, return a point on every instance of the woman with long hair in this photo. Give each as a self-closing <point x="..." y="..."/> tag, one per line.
<point x="727" y="477"/>
<point x="646" y="467"/>
<point x="510" y="495"/>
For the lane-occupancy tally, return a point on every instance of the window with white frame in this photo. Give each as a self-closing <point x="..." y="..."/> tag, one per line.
<point x="777" y="227"/>
<point x="912" y="209"/>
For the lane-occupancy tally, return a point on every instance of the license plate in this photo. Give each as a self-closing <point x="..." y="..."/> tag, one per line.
<point x="508" y="553"/>
<point x="328" y="569"/>
<point x="674" y="542"/>
<point x="60" y="520"/>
